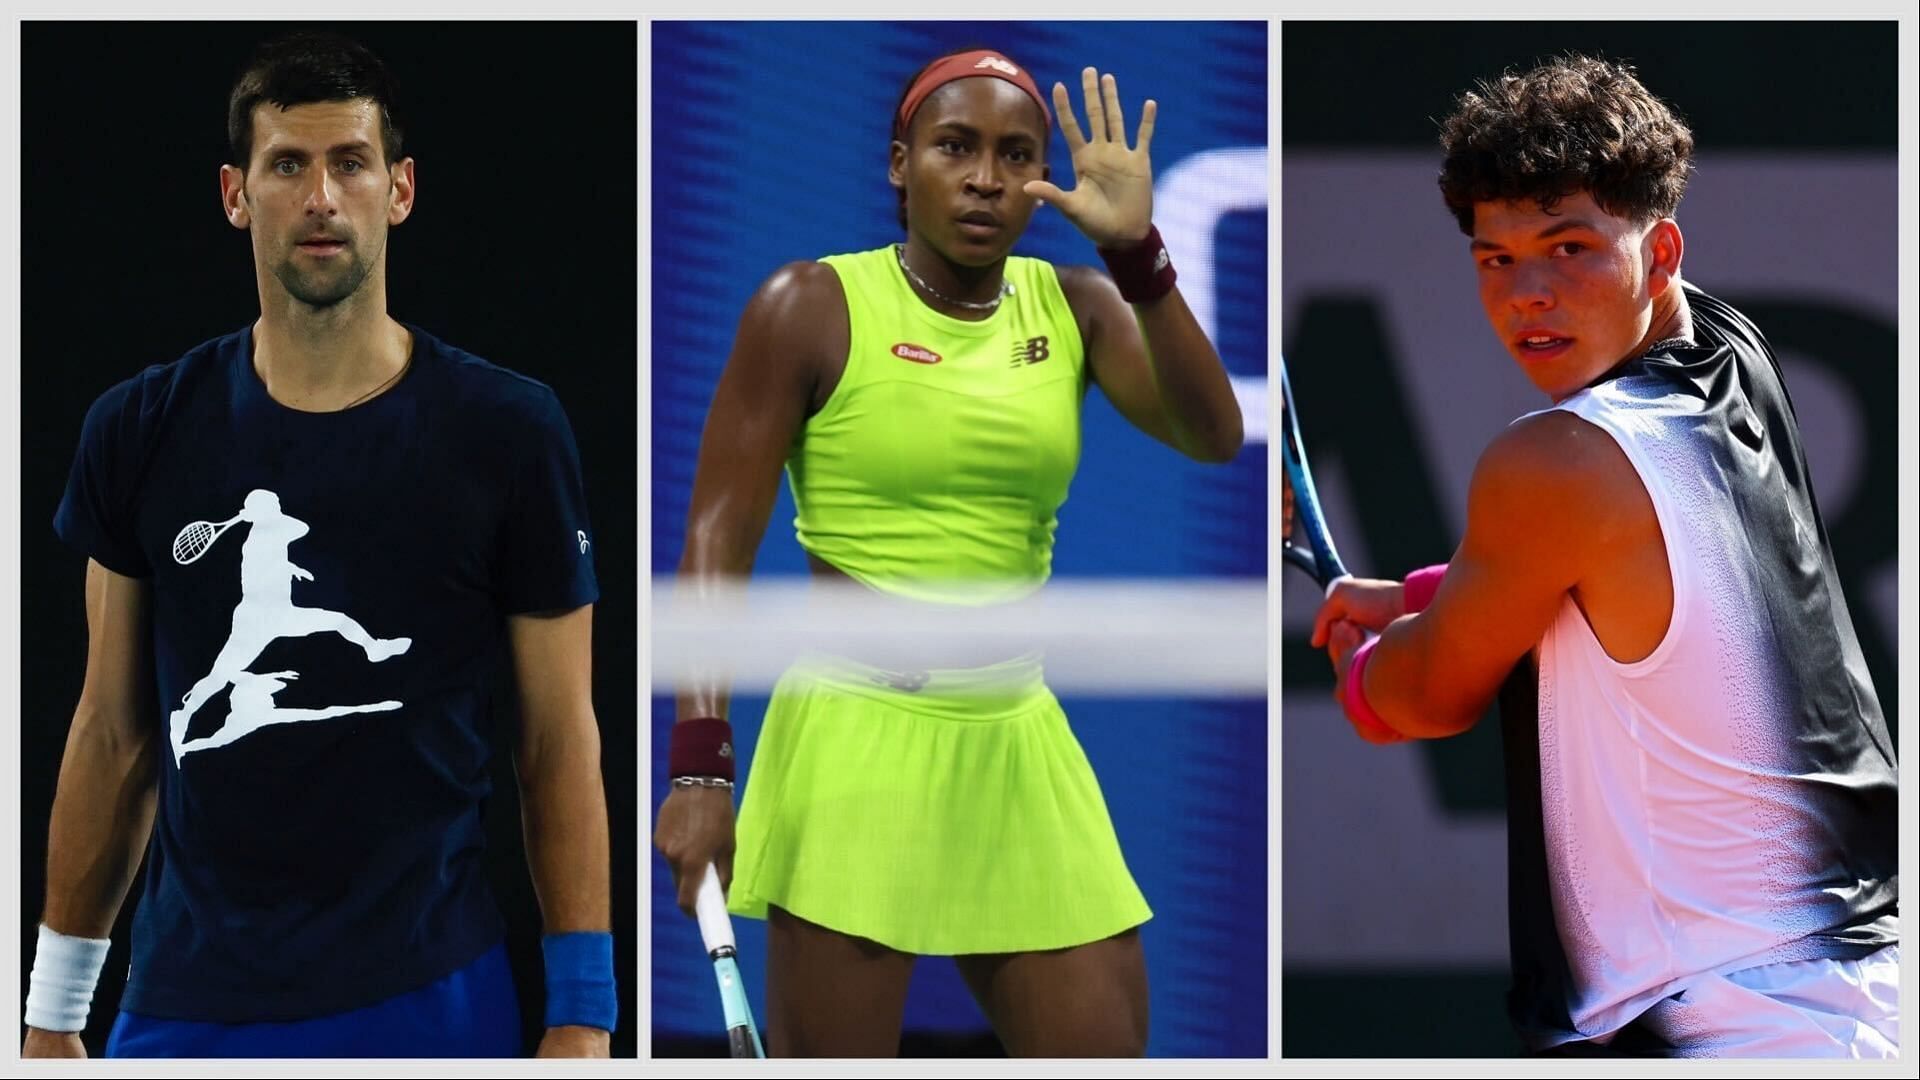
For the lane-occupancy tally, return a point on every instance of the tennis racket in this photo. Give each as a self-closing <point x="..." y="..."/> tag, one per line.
<point x="1317" y="555"/>
<point x="716" y="932"/>
<point x="193" y="540"/>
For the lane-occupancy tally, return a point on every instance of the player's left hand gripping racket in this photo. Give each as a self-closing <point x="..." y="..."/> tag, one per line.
<point x="1318" y="558"/>
<point x="716" y="932"/>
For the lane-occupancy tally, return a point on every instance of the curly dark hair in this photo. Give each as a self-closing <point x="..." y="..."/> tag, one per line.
<point x="1571" y="125"/>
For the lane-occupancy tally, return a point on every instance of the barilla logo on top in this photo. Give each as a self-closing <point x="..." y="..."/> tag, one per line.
<point x="997" y="64"/>
<point x="916" y="353"/>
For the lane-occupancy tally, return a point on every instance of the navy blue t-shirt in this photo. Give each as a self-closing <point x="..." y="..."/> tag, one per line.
<point x="329" y="593"/>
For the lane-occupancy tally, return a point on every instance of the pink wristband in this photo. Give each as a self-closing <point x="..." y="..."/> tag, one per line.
<point x="1420" y="586"/>
<point x="1360" y="714"/>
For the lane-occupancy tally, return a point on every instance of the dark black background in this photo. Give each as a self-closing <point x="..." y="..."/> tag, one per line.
<point x="1739" y="85"/>
<point x="521" y="249"/>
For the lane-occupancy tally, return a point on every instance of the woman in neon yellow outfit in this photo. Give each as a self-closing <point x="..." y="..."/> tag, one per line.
<point x="924" y="401"/>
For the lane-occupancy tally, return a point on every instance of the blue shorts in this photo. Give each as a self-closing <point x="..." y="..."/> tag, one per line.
<point x="473" y="1012"/>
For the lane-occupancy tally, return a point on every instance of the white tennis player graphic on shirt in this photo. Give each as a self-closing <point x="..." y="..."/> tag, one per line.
<point x="265" y="614"/>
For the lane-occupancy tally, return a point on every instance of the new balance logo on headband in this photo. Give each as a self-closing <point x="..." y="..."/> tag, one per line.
<point x="997" y="64"/>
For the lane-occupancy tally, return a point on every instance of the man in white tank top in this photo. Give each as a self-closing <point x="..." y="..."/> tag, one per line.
<point x="1702" y="793"/>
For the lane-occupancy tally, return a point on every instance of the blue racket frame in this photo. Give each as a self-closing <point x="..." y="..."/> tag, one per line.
<point x="1318" y="558"/>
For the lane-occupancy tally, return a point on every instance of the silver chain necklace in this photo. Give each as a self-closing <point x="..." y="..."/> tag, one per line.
<point x="1006" y="287"/>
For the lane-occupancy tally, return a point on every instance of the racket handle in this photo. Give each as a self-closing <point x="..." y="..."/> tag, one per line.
<point x="710" y="907"/>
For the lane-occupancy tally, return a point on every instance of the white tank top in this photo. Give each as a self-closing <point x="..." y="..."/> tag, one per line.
<point x="1673" y="824"/>
<point x="1731" y="799"/>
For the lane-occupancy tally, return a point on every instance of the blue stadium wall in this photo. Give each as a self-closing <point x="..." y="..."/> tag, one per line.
<point x="769" y="144"/>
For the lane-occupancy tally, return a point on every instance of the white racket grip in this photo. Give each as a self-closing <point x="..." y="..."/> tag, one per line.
<point x="710" y="907"/>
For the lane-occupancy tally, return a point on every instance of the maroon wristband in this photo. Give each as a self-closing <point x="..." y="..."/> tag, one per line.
<point x="1419" y="587"/>
<point x="702" y="746"/>
<point x="1143" y="271"/>
<point x="1359" y="713"/>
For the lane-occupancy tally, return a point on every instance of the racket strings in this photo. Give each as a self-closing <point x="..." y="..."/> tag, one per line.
<point x="193" y="542"/>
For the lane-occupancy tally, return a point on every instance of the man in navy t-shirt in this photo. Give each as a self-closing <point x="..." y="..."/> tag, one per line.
<point x="312" y="545"/>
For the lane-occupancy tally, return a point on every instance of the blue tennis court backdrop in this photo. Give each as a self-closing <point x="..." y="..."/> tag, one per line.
<point x="769" y="144"/>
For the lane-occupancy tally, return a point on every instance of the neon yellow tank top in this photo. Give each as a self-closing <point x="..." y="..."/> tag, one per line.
<point x="943" y="455"/>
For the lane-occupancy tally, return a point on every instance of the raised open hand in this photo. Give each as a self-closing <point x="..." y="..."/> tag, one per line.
<point x="1112" y="199"/>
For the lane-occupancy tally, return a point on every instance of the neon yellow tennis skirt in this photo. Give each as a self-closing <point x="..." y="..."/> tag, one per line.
<point x="938" y="813"/>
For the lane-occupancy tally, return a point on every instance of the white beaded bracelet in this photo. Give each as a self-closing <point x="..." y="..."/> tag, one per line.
<point x="65" y="972"/>
<point x="702" y="781"/>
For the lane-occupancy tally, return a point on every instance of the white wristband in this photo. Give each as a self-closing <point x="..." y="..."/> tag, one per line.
<point x="65" y="971"/>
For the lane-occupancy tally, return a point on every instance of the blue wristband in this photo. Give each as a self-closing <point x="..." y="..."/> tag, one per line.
<point x="580" y="980"/>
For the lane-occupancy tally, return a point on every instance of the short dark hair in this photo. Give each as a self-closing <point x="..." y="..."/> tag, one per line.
<point x="1573" y="124"/>
<point x="303" y="68"/>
